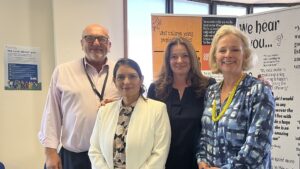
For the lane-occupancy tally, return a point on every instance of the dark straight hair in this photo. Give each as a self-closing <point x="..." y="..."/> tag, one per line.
<point x="131" y="63"/>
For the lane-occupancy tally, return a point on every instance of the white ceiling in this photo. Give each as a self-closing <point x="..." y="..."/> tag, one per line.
<point x="261" y="1"/>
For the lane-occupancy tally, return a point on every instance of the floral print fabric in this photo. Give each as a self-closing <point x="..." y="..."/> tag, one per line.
<point x="120" y="135"/>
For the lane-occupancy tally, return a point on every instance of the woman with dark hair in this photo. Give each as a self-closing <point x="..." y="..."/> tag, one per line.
<point x="133" y="132"/>
<point x="182" y="86"/>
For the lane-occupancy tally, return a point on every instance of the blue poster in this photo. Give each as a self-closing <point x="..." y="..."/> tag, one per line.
<point x="22" y="68"/>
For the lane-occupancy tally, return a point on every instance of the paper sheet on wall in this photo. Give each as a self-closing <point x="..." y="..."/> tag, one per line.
<point x="22" y="68"/>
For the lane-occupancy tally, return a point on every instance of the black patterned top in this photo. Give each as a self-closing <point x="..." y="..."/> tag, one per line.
<point x="242" y="138"/>
<point x="120" y="137"/>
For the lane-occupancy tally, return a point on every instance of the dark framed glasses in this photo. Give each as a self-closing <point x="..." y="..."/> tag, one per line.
<point x="91" y="39"/>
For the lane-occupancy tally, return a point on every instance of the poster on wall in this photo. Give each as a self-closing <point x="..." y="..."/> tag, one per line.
<point x="275" y="38"/>
<point x="210" y="26"/>
<point x="22" y="68"/>
<point x="199" y="30"/>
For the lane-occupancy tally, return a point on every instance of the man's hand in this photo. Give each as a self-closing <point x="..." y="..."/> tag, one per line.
<point x="105" y="101"/>
<point x="203" y="165"/>
<point x="52" y="159"/>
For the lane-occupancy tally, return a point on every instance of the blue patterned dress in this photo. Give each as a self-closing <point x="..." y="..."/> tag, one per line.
<point x="242" y="138"/>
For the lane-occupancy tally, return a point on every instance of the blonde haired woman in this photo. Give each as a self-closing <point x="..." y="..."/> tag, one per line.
<point x="237" y="123"/>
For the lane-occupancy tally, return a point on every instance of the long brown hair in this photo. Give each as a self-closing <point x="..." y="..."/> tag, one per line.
<point x="165" y="79"/>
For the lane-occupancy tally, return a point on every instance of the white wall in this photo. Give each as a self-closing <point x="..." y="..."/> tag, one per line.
<point x="54" y="26"/>
<point x="24" y="23"/>
<point x="71" y="16"/>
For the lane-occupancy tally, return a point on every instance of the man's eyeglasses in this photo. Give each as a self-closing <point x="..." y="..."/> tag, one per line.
<point x="91" y="39"/>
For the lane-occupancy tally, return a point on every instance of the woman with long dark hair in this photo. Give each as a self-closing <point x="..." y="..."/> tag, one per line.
<point x="182" y="86"/>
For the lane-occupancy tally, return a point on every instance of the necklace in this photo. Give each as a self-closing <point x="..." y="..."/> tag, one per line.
<point x="214" y="116"/>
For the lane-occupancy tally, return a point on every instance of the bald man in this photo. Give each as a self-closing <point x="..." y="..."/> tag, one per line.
<point x="76" y="91"/>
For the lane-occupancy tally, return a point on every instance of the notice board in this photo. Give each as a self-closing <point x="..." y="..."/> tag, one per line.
<point x="275" y="38"/>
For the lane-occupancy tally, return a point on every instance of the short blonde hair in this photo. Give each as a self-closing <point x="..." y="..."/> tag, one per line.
<point x="248" y="61"/>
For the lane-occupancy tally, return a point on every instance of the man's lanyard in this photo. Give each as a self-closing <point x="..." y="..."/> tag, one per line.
<point x="93" y="85"/>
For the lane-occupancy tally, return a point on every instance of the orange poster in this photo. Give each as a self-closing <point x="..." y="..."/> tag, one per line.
<point x="198" y="30"/>
<point x="164" y="28"/>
